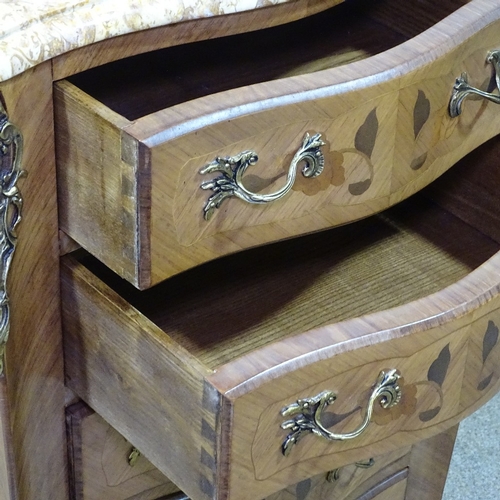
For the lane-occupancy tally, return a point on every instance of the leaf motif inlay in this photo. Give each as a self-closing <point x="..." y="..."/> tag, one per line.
<point x="421" y="112"/>
<point x="303" y="488"/>
<point x="490" y="339"/>
<point x="439" y="368"/>
<point x="367" y="134"/>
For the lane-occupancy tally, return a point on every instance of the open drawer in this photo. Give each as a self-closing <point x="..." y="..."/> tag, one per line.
<point x="151" y="151"/>
<point x="218" y="375"/>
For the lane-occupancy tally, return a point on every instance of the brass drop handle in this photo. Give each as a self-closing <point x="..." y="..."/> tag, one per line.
<point x="133" y="456"/>
<point x="334" y="474"/>
<point x="232" y="168"/>
<point x="462" y="89"/>
<point x="308" y="412"/>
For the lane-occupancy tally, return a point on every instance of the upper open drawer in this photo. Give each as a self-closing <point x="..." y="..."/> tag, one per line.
<point x="151" y="151"/>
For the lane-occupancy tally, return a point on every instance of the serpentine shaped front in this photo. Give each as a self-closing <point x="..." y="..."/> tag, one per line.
<point x="232" y="168"/>
<point x="11" y="149"/>
<point x="462" y="89"/>
<point x="308" y="412"/>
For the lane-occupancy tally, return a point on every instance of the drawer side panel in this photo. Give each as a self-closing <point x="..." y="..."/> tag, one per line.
<point x="145" y="386"/>
<point x="97" y="179"/>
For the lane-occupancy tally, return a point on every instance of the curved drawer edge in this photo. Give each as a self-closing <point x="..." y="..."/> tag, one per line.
<point x="477" y="291"/>
<point x="414" y="55"/>
<point x="449" y="368"/>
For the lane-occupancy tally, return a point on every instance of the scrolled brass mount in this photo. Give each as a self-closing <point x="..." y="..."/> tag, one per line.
<point x="232" y="168"/>
<point x="11" y="149"/>
<point x="307" y="413"/>
<point x="462" y="89"/>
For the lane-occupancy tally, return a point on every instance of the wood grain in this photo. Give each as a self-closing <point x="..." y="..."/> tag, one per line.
<point x="66" y="244"/>
<point x="429" y="462"/>
<point x="99" y="462"/>
<point x="34" y="361"/>
<point x="443" y="367"/>
<point x="352" y="480"/>
<point x="170" y="403"/>
<point x="378" y="263"/>
<point x="8" y="486"/>
<point x="457" y="193"/>
<point x="100" y="173"/>
<point x="394" y="488"/>
<point x="172" y="76"/>
<point x="385" y="122"/>
<point x="414" y="18"/>
<point x="426" y="475"/>
<point x="182" y="33"/>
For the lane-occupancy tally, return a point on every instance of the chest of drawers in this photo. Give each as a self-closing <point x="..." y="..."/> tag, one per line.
<point x="245" y="373"/>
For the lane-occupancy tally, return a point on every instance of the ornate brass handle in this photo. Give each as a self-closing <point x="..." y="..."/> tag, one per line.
<point x="308" y="411"/>
<point x="232" y="168"/>
<point x="462" y="89"/>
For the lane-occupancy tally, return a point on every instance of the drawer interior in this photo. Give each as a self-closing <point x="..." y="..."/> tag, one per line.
<point x="231" y="306"/>
<point x="354" y="30"/>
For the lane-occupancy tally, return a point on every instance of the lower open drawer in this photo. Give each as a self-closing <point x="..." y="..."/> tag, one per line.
<point x="201" y="372"/>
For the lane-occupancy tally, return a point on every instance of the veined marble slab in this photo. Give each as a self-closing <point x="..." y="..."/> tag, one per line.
<point x="33" y="31"/>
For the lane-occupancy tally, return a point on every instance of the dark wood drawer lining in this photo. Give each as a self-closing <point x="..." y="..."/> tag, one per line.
<point x="144" y="84"/>
<point x="232" y="306"/>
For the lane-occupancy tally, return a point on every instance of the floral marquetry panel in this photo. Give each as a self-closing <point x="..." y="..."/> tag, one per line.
<point x="430" y="383"/>
<point x="483" y="369"/>
<point x="356" y="148"/>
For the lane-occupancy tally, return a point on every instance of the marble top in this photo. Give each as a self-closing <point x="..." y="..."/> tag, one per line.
<point x="33" y="31"/>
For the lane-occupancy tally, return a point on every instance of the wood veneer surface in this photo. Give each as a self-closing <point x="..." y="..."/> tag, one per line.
<point x="34" y="359"/>
<point x="229" y="307"/>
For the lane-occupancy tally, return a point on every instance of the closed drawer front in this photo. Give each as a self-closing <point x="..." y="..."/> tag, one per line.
<point x="219" y="374"/>
<point x="134" y="137"/>
<point x="105" y="466"/>
<point x="352" y="482"/>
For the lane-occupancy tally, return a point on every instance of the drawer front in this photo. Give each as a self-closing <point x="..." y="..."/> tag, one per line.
<point x="226" y="425"/>
<point x="395" y="490"/>
<point x="447" y="372"/>
<point x="105" y="466"/>
<point x="133" y="194"/>
<point x="351" y="482"/>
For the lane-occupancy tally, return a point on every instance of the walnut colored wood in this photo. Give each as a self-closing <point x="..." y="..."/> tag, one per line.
<point x="183" y="407"/>
<point x="194" y="371"/>
<point x="100" y="466"/>
<point x="185" y="32"/>
<point x="34" y="359"/>
<point x="457" y="193"/>
<point x="138" y="205"/>
<point x="355" y="264"/>
<point x="8" y="487"/>
<point x="429" y="463"/>
<point x="244" y="339"/>
<point x="411" y="19"/>
<point x="66" y="244"/>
